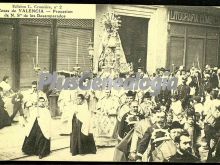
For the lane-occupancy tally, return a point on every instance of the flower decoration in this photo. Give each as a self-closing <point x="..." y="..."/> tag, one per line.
<point x="111" y="22"/>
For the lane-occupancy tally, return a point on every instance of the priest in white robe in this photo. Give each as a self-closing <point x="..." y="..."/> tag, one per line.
<point x="37" y="133"/>
<point x="81" y="137"/>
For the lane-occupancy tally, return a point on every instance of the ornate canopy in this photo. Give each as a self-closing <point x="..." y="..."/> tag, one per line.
<point x="111" y="57"/>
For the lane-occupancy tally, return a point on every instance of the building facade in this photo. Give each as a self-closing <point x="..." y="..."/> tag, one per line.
<point x="166" y="36"/>
<point x="193" y="36"/>
<point x="57" y="46"/>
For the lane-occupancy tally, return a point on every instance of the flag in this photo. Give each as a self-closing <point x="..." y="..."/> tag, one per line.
<point x="122" y="149"/>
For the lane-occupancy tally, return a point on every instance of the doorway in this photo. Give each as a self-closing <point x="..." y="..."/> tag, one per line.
<point x="134" y="33"/>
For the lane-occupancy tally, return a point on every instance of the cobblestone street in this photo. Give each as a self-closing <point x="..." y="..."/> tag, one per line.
<point x="12" y="138"/>
<point x="103" y="154"/>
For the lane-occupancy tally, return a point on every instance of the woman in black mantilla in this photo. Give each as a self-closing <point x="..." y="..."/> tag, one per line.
<point x="4" y="117"/>
<point x="81" y="139"/>
<point x="37" y="140"/>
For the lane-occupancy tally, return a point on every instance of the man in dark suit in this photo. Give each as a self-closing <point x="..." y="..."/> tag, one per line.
<point x="184" y="92"/>
<point x="214" y="78"/>
<point x="17" y="104"/>
<point x="184" y="150"/>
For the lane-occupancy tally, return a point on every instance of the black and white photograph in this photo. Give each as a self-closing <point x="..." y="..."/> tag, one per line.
<point x="134" y="83"/>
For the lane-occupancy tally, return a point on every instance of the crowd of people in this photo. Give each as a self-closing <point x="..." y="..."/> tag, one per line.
<point x="176" y="126"/>
<point x="180" y="125"/>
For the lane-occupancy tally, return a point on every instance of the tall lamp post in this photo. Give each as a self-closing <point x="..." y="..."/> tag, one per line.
<point x="91" y="54"/>
<point x="77" y="68"/>
<point x="37" y="69"/>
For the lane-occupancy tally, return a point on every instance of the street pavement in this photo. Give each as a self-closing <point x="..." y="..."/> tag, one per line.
<point x="12" y="138"/>
<point x="103" y="154"/>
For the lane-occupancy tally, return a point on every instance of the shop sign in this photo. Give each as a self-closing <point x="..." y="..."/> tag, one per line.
<point x="195" y="18"/>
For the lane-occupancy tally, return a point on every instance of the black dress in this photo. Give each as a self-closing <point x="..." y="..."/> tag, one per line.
<point x="36" y="143"/>
<point x="5" y="120"/>
<point x="80" y="143"/>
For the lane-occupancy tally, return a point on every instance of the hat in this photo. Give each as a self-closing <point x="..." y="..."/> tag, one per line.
<point x="157" y="108"/>
<point x="41" y="98"/>
<point x="130" y="93"/>
<point x="162" y="69"/>
<point x="160" y="135"/>
<point x="176" y="125"/>
<point x="147" y="95"/>
<point x="34" y="83"/>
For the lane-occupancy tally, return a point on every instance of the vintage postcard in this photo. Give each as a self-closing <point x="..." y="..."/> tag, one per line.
<point x="109" y="82"/>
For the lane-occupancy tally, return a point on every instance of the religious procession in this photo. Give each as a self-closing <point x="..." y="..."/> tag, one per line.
<point x="181" y="124"/>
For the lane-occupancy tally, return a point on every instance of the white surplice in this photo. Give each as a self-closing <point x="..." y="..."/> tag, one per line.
<point x="43" y="117"/>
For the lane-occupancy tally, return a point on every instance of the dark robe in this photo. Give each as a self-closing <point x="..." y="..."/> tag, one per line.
<point x="185" y="158"/>
<point x="36" y="143"/>
<point x="164" y="98"/>
<point x="127" y="123"/>
<point x="214" y="81"/>
<point x="183" y="93"/>
<point x="80" y="143"/>
<point x="189" y="108"/>
<point x="194" y="83"/>
<point x="47" y="90"/>
<point x="201" y="92"/>
<point x="4" y="117"/>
